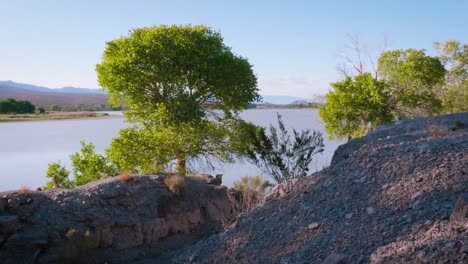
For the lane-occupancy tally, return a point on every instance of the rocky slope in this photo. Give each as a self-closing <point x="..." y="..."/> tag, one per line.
<point x="397" y="195"/>
<point x="114" y="220"/>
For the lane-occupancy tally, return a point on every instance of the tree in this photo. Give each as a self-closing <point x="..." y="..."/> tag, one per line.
<point x="356" y="106"/>
<point x="414" y="80"/>
<point x="174" y="79"/>
<point x="59" y="175"/>
<point x="12" y="106"/>
<point x="454" y="56"/>
<point x="278" y="156"/>
<point x="89" y="166"/>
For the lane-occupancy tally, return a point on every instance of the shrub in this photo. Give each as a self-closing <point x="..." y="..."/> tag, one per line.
<point x="126" y="176"/>
<point x="175" y="183"/>
<point x="59" y="175"/>
<point x="24" y="189"/>
<point x="277" y="156"/>
<point x="252" y="191"/>
<point x="435" y="130"/>
<point x="89" y="166"/>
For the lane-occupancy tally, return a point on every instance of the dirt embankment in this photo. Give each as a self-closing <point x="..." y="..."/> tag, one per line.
<point x="110" y="220"/>
<point x="398" y="195"/>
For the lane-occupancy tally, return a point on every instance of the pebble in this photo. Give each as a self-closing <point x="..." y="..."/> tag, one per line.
<point x="314" y="225"/>
<point x="370" y="210"/>
<point x="349" y="216"/>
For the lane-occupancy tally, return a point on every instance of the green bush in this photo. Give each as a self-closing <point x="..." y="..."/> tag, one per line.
<point x="59" y="176"/>
<point x="89" y="166"/>
<point x="281" y="158"/>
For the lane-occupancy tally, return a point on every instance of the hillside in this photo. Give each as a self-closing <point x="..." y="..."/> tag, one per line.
<point x="50" y="90"/>
<point x="49" y="98"/>
<point x="390" y="197"/>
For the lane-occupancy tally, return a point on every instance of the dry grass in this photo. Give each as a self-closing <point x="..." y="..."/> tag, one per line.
<point x="248" y="193"/>
<point x="24" y="189"/>
<point x="175" y="183"/>
<point x="126" y="176"/>
<point x="436" y="131"/>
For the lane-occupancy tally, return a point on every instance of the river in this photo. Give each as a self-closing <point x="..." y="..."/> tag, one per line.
<point x="27" y="147"/>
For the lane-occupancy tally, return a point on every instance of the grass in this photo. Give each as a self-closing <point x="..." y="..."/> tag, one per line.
<point x="175" y="183"/>
<point x="49" y="116"/>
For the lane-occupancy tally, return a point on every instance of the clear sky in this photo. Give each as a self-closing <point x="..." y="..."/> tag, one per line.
<point x="294" y="46"/>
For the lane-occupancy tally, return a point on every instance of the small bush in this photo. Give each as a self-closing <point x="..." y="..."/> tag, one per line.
<point x="435" y="130"/>
<point x="59" y="175"/>
<point x="251" y="190"/>
<point x="126" y="176"/>
<point x="24" y="189"/>
<point x="175" y="183"/>
<point x="281" y="158"/>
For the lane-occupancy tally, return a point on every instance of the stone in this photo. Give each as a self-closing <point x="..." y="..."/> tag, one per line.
<point x="314" y="225"/>
<point x="370" y="210"/>
<point x="464" y="248"/>
<point x="460" y="211"/>
<point x="336" y="258"/>
<point x="9" y="224"/>
<point x="349" y="216"/>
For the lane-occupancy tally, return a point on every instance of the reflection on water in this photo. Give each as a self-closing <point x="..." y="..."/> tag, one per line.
<point x="27" y="147"/>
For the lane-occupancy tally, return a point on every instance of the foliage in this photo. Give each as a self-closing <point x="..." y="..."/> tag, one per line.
<point x="42" y="110"/>
<point x="356" y="106"/>
<point x="59" y="175"/>
<point x="252" y="191"/>
<point x="175" y="183"/>
<point x="12" y="106"/>
<point x="89" y="166"/>
<point x="414" y="80"/>
<point x="151" y="148"/>
<point x="172" y="78"/>
<point x="277" y="156"/>
<point x="454" y="56"/>
<point x="185" y="68"/>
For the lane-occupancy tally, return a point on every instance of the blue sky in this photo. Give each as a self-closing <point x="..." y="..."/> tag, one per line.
<point x="294" y="46"/>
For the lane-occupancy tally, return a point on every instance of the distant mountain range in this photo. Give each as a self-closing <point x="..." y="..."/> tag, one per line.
<point x="85" y="96"/>
<point x="36" y="88"/>
<point x="68" y="98"/>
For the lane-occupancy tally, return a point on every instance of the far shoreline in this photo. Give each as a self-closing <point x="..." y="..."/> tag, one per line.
<point x="55" y="116"/>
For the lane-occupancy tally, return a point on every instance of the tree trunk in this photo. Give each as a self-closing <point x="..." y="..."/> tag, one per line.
<point x="181" y="163"/>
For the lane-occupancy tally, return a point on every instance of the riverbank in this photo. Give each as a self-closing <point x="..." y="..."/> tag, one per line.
<point x="53" y="115"/>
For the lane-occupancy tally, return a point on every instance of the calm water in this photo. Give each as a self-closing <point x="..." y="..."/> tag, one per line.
<point x="27" y="147"/>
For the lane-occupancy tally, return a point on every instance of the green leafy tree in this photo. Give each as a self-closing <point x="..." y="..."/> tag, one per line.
<point x="281" y="158"/>
<point x="172" y="78"/>
<point x="414" y="80"/>
<point x="454" y="56"/>
<point x="89" y="166"/>
<point x="59" y="176"/>
<point x="355" y="106"/>
<point x="151" y="148"/>
<point x="12" y="106"/>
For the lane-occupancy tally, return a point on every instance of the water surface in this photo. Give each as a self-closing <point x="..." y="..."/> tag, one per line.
<point x="27" y="147"/>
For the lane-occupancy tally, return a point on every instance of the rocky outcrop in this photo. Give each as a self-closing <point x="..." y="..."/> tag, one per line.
<point x="397" y="195"/>
<point x="109" y="220"/>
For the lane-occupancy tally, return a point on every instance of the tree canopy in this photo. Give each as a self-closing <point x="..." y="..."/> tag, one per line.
<point x="12" y="106"/>
<point x="184" y="89"/>
<point x="454" y="56"/>
<point x="185" y="69"/>
<point x="355" y="106"/>
<point x="414" y="79"/>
